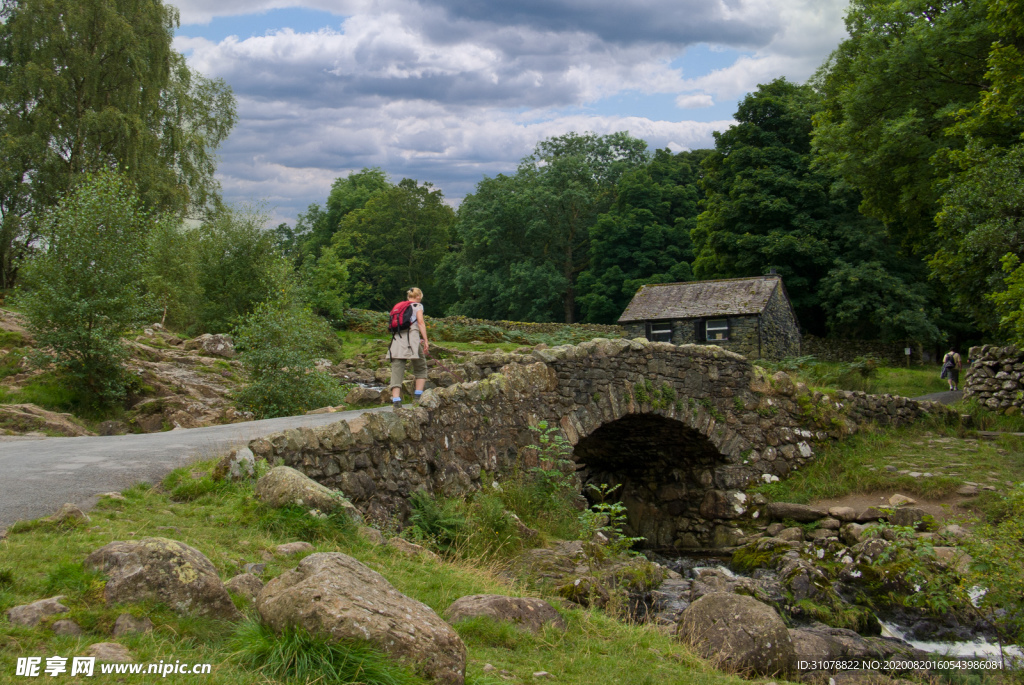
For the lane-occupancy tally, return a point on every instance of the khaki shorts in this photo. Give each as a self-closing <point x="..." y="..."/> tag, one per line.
<point x="419" y="369"/>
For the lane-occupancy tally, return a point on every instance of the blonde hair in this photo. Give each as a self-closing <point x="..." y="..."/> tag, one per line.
<point x="414" y="293"/>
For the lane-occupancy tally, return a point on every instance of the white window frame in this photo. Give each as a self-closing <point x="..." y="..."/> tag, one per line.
<point x="721" y="327"/>
<point x="661" y="328"/>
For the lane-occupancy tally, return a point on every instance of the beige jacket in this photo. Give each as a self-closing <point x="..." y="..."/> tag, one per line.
<point x="406" y="344"/>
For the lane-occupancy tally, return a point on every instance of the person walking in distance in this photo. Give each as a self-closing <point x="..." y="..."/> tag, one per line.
<point x="408" y="343"/>
<point x="951" y="365"/>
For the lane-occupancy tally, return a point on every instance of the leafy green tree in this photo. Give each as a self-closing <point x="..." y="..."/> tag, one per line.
<point x="768" y="206"/>
<point x="980" y="222"/>
<point x="394" y="242"/>
<point x="890" y="91"/>
<point x="645" y="236"/>
<point x="525" y="240"/>
<point x="171" y="272"/>
<point x="238" y="266"/>
<point x="84" y="291"/>
<point x="324" y="286"/>
<point x="278" y="344"/>
<point x="93" y="84"/>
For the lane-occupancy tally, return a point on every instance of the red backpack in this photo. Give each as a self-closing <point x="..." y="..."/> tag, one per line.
<point x="401" y="317"/>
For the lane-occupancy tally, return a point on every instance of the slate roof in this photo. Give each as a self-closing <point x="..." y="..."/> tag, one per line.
<point x="698" y="299"/>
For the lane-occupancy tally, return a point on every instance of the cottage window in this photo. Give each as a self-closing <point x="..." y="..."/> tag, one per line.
<point x="659" y="331"/>
<point x="717" y="329"/>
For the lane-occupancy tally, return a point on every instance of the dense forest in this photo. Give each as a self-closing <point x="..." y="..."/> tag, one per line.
<point x="886" y="191"/>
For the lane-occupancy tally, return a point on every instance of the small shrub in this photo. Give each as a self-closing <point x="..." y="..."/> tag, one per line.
<point x="277" y="345"/>
<point x="484" y="631"/>
<point x="6" y="578"/>
<point x="297" y="523"/>
<point x="295" y="656"/>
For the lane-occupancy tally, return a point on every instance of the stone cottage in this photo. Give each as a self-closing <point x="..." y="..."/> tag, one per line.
<point x="751" y="316"/>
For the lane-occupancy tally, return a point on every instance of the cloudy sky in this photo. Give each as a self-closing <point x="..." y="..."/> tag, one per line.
<point x="449" y="91"/>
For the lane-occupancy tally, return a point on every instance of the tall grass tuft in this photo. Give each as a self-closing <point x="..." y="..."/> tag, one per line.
<point x="296" y="656"/>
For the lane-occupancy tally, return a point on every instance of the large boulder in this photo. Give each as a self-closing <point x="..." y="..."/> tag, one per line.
<point x="238" y="464"/>
<point x="162" y="570"/>
<point x="739" y="633"/>
<point x="526" y="612"/>
<point x="218" y="345"/>
<point x="285" y="485"/>
<point x="332" y="594"/>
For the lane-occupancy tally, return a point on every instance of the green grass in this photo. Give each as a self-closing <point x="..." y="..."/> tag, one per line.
<point x="231" y="529"/>
<point x="858" y="465"/>
<point x="911" y="381"/>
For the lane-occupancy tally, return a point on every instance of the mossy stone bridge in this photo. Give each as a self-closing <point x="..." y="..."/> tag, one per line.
<point x="684" y="429"/>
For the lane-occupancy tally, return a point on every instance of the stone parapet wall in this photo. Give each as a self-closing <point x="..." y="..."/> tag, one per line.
<point x="994" y="377"/>
<point x="670" y="423"/>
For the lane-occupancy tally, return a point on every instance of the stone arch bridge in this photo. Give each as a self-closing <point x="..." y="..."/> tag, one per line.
<point x="684" y="429"/>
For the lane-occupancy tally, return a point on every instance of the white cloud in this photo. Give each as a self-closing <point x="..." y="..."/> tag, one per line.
<point x="696" y="101"/>
<point x="450" y="90"/>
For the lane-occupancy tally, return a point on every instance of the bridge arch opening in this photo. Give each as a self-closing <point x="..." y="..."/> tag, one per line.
<point x="664" y="468"/>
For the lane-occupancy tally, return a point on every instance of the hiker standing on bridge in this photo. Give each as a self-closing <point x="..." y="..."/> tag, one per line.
<point x="408" y="331"/>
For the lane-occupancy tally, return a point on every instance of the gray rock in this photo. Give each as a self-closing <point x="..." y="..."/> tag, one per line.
<point x="162" y="570"/>
<point x="255" y="569"/>
<point x="908" y="516"/>
<point x="218" y="345"/>
<point x="372" y="535"/>
<point x="794" y="534"/>
<point x="899" y="500"/>
<point x="967" y="490"/>
<point x="30" y="615"/>
<point x="871" y="514"/>
<point x="410" y="549"/>
<point x="844" y="514"/>
<point x="69" y="514"/>
<point x="798" y="512"/>
<point x="126" y="624"/>
<point x="360" y="395"/>
<point x="109" y="651"/>
<point x="335" y="595"/>
<point x="290" y="549"/>
<point x="738" y="633"/>
<point x="66" y="626"/>
<point x="852" y="533"/>
<point x="239" y="464"/>
<point x="284" y="485"/>
<point x="525" y="612"/>
<point x="776" y="528"/>
<point x="246" y="585"/>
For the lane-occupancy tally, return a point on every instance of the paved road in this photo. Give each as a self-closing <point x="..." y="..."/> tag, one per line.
<point x="38" y="475"/>
<point x="945" y="397"/>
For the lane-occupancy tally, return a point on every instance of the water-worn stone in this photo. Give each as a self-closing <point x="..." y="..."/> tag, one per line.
<point x="66" y="626"/>
<point x="525" y="612"/>
<point x="30" y="615"/>
<point x="290" y="549"/>
<point x="162" y="570"/>
<point x="126" y="624"/>
<point x="109" y="651"/>
<point x="284" y="485"/>
<point x="852" y="533"/>
<point x="780" y="511"/>
<point x="334" y="595"/>
<point x="871" y="514"/>
<point x="245" y="584"/>
<point x="844" y="514"/>
<point x="739" y="633"/>
<point x="793" y="534"/>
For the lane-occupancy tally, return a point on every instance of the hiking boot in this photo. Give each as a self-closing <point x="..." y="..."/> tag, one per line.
<point x="396" y="405"/>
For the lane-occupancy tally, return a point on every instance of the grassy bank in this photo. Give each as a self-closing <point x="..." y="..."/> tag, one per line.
<point x="222" y="520"/>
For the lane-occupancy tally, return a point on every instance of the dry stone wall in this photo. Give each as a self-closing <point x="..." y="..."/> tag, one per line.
<point x="683" y="428"/>
<point x="994" y="378"/>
